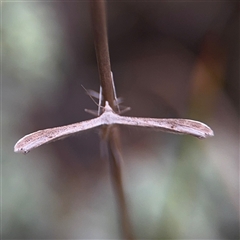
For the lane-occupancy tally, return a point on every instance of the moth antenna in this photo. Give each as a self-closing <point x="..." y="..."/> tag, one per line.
<point x="100" y="100"/>
<point x="114" y="92"/>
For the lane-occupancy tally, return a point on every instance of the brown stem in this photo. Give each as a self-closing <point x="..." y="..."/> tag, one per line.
<point x="115" y="165"/>
<point x="110" y="135"/>
<point x="98" y="14"/>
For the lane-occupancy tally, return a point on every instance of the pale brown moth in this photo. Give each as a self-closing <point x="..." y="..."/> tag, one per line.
<point x="109" y="117"/>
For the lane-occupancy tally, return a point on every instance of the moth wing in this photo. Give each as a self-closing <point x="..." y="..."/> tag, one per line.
<point x="36" y="139"/>
<point x="177" y="126"/>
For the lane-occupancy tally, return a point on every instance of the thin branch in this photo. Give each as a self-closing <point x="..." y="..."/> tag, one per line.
<point x="111" y="135"/>
<point x="99" y="26"/>
<point x="115" y="154"/>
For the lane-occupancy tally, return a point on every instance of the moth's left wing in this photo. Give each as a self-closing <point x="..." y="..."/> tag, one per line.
<point x="41" y="137"/>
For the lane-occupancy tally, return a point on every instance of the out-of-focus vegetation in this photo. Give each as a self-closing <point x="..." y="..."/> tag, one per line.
<point x="169" y="59"/>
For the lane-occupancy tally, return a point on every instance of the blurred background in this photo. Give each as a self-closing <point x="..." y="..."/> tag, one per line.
<point x="169" y="59"/>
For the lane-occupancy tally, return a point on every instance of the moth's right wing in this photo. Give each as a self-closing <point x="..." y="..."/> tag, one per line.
<point x="177" y="126"/>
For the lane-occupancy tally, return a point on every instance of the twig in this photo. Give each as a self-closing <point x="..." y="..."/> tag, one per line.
<point x="112" y="138"/>
<point x="98" y="14"/>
